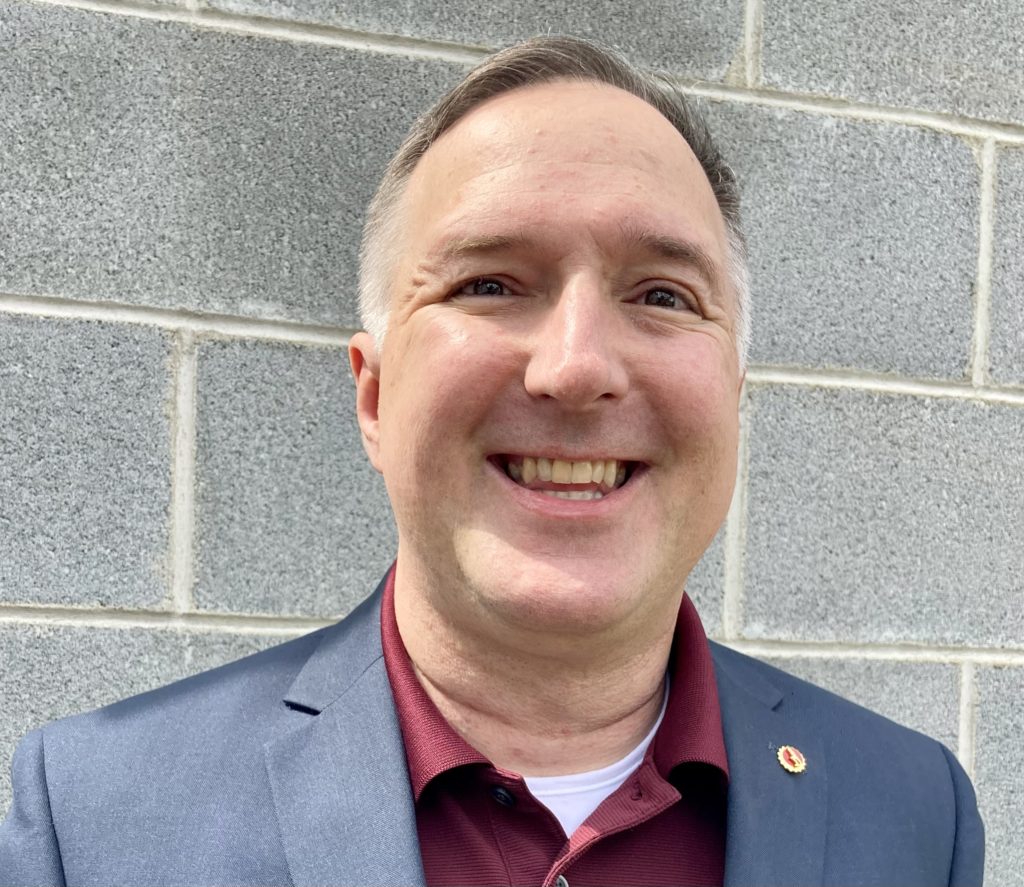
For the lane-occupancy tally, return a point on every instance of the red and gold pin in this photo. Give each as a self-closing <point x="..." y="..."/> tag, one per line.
<point x="792" y="759"/>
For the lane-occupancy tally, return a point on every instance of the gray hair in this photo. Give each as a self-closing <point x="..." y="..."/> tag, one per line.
<point x="537" y="61"/>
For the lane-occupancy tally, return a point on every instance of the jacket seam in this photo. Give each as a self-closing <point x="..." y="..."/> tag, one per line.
<point x="956" y="811"/>
<point x="49" y="807"/>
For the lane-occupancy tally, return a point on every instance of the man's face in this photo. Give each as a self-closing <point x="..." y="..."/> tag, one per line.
<point x="561" y="302"/>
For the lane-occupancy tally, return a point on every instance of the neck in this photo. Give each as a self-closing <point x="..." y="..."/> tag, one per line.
<point x="532" y="704"/>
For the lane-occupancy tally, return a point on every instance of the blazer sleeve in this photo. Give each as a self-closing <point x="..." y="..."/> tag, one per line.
<point x="29" y="854"/>
<point x="968" y="866"/>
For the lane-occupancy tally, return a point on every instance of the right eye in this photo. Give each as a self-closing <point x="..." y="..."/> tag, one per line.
<point x="482" y="286"/>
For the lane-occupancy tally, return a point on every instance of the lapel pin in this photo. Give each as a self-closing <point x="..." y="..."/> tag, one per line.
<point x="792" y="759"/>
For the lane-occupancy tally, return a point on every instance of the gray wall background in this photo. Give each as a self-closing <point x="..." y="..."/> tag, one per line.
<point x="181" y="187"/>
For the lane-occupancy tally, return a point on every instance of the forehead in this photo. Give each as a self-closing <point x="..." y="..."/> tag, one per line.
<point x="543" y="153"/>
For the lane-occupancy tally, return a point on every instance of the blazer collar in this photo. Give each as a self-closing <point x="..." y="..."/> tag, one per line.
<point x="776" y="824"/>
<point x="345" y="809"/>
<point x="339" y="780"/>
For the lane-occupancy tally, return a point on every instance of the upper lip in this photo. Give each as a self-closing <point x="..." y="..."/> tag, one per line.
<point x="547" y="454"/>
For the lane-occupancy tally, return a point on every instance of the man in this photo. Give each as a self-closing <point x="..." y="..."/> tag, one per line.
<point x="554" y="292"/>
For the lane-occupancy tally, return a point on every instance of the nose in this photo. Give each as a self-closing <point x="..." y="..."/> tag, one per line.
<point x="577" y="353"/>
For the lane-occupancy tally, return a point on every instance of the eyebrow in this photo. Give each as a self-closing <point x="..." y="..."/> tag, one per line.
<point x="480" y="244"/>
<point x="685" y="252"/>
<point x="664" y="246"/>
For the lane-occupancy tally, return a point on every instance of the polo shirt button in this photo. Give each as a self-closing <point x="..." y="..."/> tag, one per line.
<point x="503" y="796"/>
<point x="561" y="882"/>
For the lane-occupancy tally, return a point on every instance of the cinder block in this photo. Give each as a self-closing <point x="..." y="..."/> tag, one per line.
<point x="49" y="672"/>
<point x="706" y="585"/>
<point x="884" y="518"/>
<point x="153" y="163"/>
<point x="207" y="649"/>
<point x="961" y="58"/>
<point x="697" y="39"/>
<point x="999" y="772"/>
<point x="84" y="462"/>
<point x="291" y="516"/>
<point x="863" y="240"/>
<point x="922" y="696"/>
<point x="1006" y="345"/>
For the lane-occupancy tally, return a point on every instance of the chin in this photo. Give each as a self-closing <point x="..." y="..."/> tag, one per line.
<point x="560" y="596"/>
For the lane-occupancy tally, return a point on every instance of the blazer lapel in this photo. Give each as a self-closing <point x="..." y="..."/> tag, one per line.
<point x="345" y="810"/>
<point x="339" y="780"/>
<point x="776" y="827"/>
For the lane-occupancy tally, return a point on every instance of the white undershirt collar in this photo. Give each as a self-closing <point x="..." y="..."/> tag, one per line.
<point x="573" y="797"/>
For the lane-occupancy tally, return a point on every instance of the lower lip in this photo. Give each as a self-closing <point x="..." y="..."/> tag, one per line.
<point x="575" y="509"/>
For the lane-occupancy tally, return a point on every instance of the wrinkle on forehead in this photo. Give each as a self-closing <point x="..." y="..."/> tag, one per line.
<point x="522" y="123"/>
<point x="535" y="156"/>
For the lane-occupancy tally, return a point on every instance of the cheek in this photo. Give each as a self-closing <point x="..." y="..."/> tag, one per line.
<point x="698" y="393"/>
<point x="444" y="381"/>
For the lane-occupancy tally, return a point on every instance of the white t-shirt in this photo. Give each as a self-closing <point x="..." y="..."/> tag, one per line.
<point x="574" y="797"/>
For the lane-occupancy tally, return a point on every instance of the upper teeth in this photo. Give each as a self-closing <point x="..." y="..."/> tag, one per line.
<point x="609" y="472"/>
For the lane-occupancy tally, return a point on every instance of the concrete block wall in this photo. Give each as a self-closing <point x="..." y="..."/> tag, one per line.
<point x="181" y="189"/>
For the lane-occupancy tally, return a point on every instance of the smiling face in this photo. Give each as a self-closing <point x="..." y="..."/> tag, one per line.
<point x="555" y="408"/>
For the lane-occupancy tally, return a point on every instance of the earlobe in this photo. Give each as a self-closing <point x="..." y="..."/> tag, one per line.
<point x="365" y="363"/>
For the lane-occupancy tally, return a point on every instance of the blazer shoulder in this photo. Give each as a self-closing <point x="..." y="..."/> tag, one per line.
<point x="797" y="697"/>
<point x="869" y="755"/>
<point x="889" y="786"/>
<point x="258" y="680"/>
<point x="88" y="785"/>
<point x="255" y="690"/>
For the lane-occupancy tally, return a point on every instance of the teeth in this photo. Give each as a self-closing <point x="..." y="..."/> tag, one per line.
<point x="608" y="473"/>
<point x="581" y="472"/>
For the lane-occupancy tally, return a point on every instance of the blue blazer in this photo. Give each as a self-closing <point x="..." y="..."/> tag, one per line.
<point x="288" y="768"/>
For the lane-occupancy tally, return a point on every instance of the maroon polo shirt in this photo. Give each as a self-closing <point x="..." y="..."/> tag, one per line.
<point x="479" y="825"/>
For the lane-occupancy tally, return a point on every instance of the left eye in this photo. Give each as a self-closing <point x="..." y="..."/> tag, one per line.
<point x="483" y="286"/>
<point x="664" y="298"/>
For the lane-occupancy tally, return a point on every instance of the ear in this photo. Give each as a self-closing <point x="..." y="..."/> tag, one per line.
<point x="365" y="363"/>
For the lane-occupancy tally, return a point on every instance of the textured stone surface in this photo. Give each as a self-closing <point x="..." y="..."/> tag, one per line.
<point x="1006" y="345"/>
<point x="863" y="240"/>
<point x="999" y="772"/>
<point x="922" y="696"/>
<point x="154" y="163"/>
<point x="697" y="38"/>
<point x="52" y="671"/>
<point x="882" y="518"/>
<point x="291" y="516"/>
<point x="960" y="57"/>
<point x="84" y="462"/>
<point x="150" y="162"/>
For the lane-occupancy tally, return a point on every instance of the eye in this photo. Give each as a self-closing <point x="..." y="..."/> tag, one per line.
<point x="482" y="286"/>
<point x="661" y="297"/>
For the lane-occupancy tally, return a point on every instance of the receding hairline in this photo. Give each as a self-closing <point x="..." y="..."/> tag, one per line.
<point x="575" y="82"/>
<point x="535" y="62"/>
<point x="668" y="246"/>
